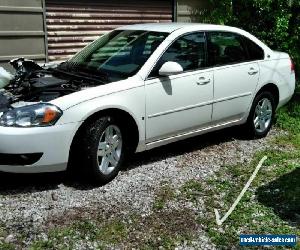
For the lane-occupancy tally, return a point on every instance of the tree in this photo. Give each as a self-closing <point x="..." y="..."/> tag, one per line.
<point x="275" y="22"/>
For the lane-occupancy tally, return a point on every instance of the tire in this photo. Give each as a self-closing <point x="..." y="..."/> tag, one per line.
<point x="103" y="146"/>
<point x="261" y="115"/>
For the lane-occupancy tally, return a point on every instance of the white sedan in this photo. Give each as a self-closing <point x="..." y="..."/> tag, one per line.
<point x="137" y="88"/>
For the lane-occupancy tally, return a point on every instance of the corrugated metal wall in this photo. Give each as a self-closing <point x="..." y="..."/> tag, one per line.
<point x="22" y="30"/>
<point x="188" y="10"/>
<point x="73" y="24"/>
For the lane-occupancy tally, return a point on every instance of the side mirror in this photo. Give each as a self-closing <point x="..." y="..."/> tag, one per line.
<point x="170" y="68"/>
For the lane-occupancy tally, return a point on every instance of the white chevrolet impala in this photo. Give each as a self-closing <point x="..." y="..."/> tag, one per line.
<point x="137" y="88"/>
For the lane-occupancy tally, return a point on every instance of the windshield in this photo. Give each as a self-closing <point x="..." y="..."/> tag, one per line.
<point x="116" y="55"/>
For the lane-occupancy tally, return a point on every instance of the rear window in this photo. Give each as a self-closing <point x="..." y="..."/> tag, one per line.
<point x="255" y="52"/>
<point x="225" y="48"/>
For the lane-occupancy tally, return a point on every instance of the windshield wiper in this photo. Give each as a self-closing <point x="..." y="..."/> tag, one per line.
<point x="103" y="77"/>
<point x="78" y="75"/>
<point x="79" y="69"/>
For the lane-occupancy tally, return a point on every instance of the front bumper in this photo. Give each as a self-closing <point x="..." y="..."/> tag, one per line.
<point x="52" y="142"/>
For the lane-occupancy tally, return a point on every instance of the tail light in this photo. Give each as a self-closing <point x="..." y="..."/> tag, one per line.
<point x="292" y="66"/>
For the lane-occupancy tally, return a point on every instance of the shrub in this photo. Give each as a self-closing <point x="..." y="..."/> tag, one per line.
<point x="275" y="22"/>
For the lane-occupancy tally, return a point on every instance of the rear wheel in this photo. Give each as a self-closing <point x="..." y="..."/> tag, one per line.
<point x="103" y="147"/>
<point x="261" y="115"/>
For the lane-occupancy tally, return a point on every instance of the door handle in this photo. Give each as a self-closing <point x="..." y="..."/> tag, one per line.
<point x="203" y="81"/>
<point x="252" y="71"/>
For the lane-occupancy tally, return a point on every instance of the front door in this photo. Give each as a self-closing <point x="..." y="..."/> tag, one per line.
<point x="183" y="102"/>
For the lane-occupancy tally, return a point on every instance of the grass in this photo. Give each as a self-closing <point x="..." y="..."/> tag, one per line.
<point x="272" y="204"/>
<point x="65" y="237"/>
<point x="163" y="195"/>
<point x="134" y="231"/>
<point x="192" y="190"/>
<point x="3" y="235"/>
<point x="3" y="232"/>
<point x="164" y="227"/>
<point x="269" y="207"/>
<point x="6" y="246"/>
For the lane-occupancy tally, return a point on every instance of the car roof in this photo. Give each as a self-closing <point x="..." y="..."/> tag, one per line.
<point x="181" y="28"/>
<point x="170" y="27"/>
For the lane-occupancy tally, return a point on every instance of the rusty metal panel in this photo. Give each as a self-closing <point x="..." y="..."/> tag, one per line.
<point x="21" y="30"/>
<point x="71" y="25"/>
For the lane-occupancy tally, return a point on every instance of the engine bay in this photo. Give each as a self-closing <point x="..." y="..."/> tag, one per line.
<point x="34" y="83"/>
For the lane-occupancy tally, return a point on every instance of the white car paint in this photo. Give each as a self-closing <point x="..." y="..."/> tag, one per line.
<point x="185" y="105"/>
<point x="181" y="106"/>
<point x="233" y="101"/>
<point x="169" y="68"/>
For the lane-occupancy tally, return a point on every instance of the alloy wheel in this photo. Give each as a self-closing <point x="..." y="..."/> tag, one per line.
<point x="263" y="115"/>
<point x="109" y="149"/>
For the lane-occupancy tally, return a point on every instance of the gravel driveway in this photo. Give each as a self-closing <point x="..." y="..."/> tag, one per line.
<point x="30" y="204"/>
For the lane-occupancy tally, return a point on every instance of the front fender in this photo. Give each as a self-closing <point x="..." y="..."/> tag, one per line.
<point x="131" y="101"/>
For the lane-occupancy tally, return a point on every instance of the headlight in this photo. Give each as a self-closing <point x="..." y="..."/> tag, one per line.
<point x="36" y="115"/>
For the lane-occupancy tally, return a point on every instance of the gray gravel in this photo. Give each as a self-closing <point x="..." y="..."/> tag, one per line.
<point x="28" y="202"/>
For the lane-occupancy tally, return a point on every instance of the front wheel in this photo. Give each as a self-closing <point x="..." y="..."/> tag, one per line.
<point x="261" y="115"/>
<point x="103" y="149"/>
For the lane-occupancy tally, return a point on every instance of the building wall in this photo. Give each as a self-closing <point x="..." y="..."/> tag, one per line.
<point x="22" y="30"/>
<point x="32" y="28"/>
<point x="188" y="10"/>
<point x="72" y="24"/>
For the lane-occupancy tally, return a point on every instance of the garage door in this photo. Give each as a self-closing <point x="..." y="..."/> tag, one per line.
<point x="73" y="24"/>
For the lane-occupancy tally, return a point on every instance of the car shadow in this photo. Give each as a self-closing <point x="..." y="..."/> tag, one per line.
<point x="29" y="183"/>
<point x="184" y="146"/>
<point x="283" y="196"/>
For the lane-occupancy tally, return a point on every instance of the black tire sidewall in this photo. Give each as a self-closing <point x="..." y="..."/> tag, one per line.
<point x="250" y="123"/>
<point x="90" y="145"/>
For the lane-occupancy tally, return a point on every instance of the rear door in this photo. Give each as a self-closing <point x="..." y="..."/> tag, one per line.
<point x="235" y="75"/>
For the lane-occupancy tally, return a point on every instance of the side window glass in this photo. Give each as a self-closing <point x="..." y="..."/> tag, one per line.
<point x="255" y="52"/>
<point x="225" y="48"/>
<point x="188" y="51"/>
